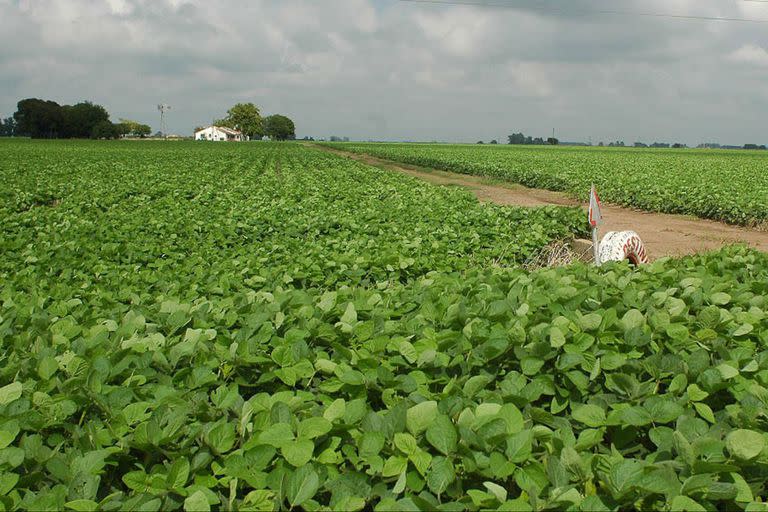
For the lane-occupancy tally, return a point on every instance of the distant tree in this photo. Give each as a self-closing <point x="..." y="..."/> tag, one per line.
<point x="516" y="138"/>
<point x="640" y="145"/>
<point x="601" y="144"/>
<point x="552" y="141"/>
<point x="105" y="130"/>
<point x="279" y="127"/>
<point x="225" y="122"/>
<point x="678" y="145"/>
<point x="80" y="119"/>
<point x="530" y="140"/>
<point x="346" y="139"/>
<point x="494" y="141"/>
<point x="332" y="138"/>
<point x="122" y="129"/>
<point x="246" y="118"/>
<point x="480" y="142"/>
<point x="142" y="130"/>
<point x="134" y="128"/>
<point x="38" y="118"/>
<point x="7" y="127"/>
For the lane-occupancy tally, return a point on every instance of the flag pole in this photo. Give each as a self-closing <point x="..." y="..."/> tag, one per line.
<point x="595" y="217"/>
<point x="596" y="246"/>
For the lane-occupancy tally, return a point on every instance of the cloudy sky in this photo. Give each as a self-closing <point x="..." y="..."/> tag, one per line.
<point x="397" y="70"/>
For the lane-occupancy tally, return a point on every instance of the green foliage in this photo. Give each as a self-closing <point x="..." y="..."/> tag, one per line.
<point x="133" y="128"/>
<point x="242" y="328"/>
<point x="279" y="127"/>
<point x="246" y="118"/>
<point x="106" y="130"/>
<point x="47" y="119"/>
<point x="722" y="185"/>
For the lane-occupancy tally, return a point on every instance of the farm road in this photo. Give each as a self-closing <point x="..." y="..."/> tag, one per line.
<point x="663" y="234"/>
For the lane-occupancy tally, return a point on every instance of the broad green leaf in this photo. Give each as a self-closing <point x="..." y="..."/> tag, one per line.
<point x="350" y="314"/>
<point x="421" y="416"/>
<point x="496" y="490"/>
<point x="82" y="505"/>
<point x="685" y="504"/>
<point x="590" y="415"/>
<point x="10" y="392"/>
<point x="178" y="474"/>
<point x="197" y="502"/>
<point x="302" y="485"/>
<point x="311" y="428"/>
<point x="556" y="337"/>
<point x="394" y="466"/>
<point x="276" y="435"/>
<point x="441" y="434"/>
<point x="336" y="410"/>
<point x="745" y="444"/>
<point x="441" y="474"/>
<point x="298" y="452"/>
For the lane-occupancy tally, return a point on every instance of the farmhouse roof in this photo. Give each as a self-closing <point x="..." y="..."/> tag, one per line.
<point x="228" y="131"/>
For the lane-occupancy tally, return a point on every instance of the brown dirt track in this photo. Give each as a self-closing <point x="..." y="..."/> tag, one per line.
<point x="663" y="234"/>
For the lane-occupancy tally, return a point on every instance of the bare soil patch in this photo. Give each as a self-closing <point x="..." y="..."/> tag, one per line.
<point x="663" y="234"/>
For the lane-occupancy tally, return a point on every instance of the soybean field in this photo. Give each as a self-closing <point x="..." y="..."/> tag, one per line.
<point x="267" y="326"/>
<point x="724" y="185"/>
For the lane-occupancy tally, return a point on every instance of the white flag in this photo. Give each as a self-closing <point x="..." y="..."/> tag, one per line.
<point x="595" y="217"/>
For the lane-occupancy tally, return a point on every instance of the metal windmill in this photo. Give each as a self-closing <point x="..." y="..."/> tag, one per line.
<point x="163" y="108"/>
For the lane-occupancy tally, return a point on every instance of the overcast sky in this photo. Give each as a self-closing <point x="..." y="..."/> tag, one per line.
<point x="394" y="70"/>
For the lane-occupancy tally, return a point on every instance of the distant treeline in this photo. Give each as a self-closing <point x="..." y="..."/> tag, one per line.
<point x="520" y="138"/>
<point x="46" y="119"/>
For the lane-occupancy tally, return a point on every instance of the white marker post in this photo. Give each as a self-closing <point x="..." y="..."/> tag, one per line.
<point x="595" y="219"/>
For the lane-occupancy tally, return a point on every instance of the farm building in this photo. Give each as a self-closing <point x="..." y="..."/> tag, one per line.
<point x="219" y="133"/>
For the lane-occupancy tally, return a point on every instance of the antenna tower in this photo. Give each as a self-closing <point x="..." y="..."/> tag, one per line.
<point x="163" y="108"/>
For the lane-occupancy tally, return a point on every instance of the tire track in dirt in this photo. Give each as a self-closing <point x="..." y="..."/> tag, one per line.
<point x="663" y="234"/>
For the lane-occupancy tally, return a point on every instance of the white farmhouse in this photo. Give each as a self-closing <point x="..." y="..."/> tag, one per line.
<point x="219" y="133"/>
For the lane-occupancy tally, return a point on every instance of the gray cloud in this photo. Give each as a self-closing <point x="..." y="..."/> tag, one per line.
<point x="385" y="69"/>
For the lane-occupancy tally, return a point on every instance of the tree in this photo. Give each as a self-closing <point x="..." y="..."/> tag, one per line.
<point x="38" y="118"/>
<point x="552" y="141"/>
<point x="480" y="142"/>
<point x="494" y="141"/>
<point x="142" y="130"/>
<point x="246" y="118"/>
<point x="133" y="128"/>
<point x="7" y="127"/>
<point x="122" y="128"/>
<point x="279" y="127"/>
<point x="516" y="138"/>
<point x="81" y="119"/>
<point x="104" y="130"/>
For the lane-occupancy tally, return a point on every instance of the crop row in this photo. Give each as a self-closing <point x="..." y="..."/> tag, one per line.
<point x="722" y="185"/>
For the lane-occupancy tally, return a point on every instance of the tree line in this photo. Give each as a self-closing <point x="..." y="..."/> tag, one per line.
<point x="46" y="119"/>
<point x="520" y="138"/>
<point x="246" y="117"/>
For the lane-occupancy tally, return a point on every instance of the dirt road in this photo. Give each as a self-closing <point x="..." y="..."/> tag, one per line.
<point x="663" y="234"/>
